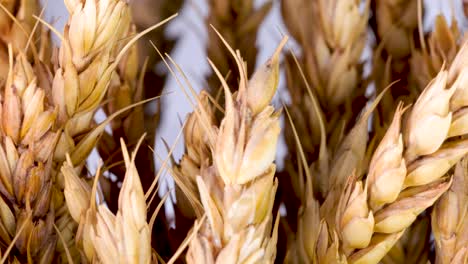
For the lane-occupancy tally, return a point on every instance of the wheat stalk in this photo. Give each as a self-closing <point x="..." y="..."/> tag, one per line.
<point x="146" y="13"/>
<point x="125" y="88"/>
<point x="237" y="190"/>
<point x="465" y="7"/>
<point x="406" y="170"/>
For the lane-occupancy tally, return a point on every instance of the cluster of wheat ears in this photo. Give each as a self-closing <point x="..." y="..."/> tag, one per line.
<point x="375" y="170"/>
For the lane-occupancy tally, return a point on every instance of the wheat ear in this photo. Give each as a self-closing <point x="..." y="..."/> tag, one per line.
<point x="237" y="190"/>
<point x="406" y="171"/>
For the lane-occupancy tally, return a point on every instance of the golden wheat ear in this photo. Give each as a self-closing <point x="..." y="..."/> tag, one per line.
<point x="235" y="180"/>
<point x="419" y="165"/>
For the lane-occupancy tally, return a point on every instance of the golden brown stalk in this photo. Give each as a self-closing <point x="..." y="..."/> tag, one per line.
<point x="238" y="22"/>
<point x="237" y="189"/>
<point x="449" y="222"/>
<point x="465" y="7"/>
<point x="397" y="195"/>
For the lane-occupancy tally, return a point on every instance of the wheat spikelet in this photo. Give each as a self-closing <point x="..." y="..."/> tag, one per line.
<point x="409" y="161"/>
<point x="237" y="190"/>
<point x="80" y="80"/>
<point x="449" y="219"/>
<point x="314" y="241"/>
<point x="238" y="22"/>
<point x="90" y="37"/>
<point x="124" y="237"/>
<point x="413" y="246"/>
<point x="34" y="143"/>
